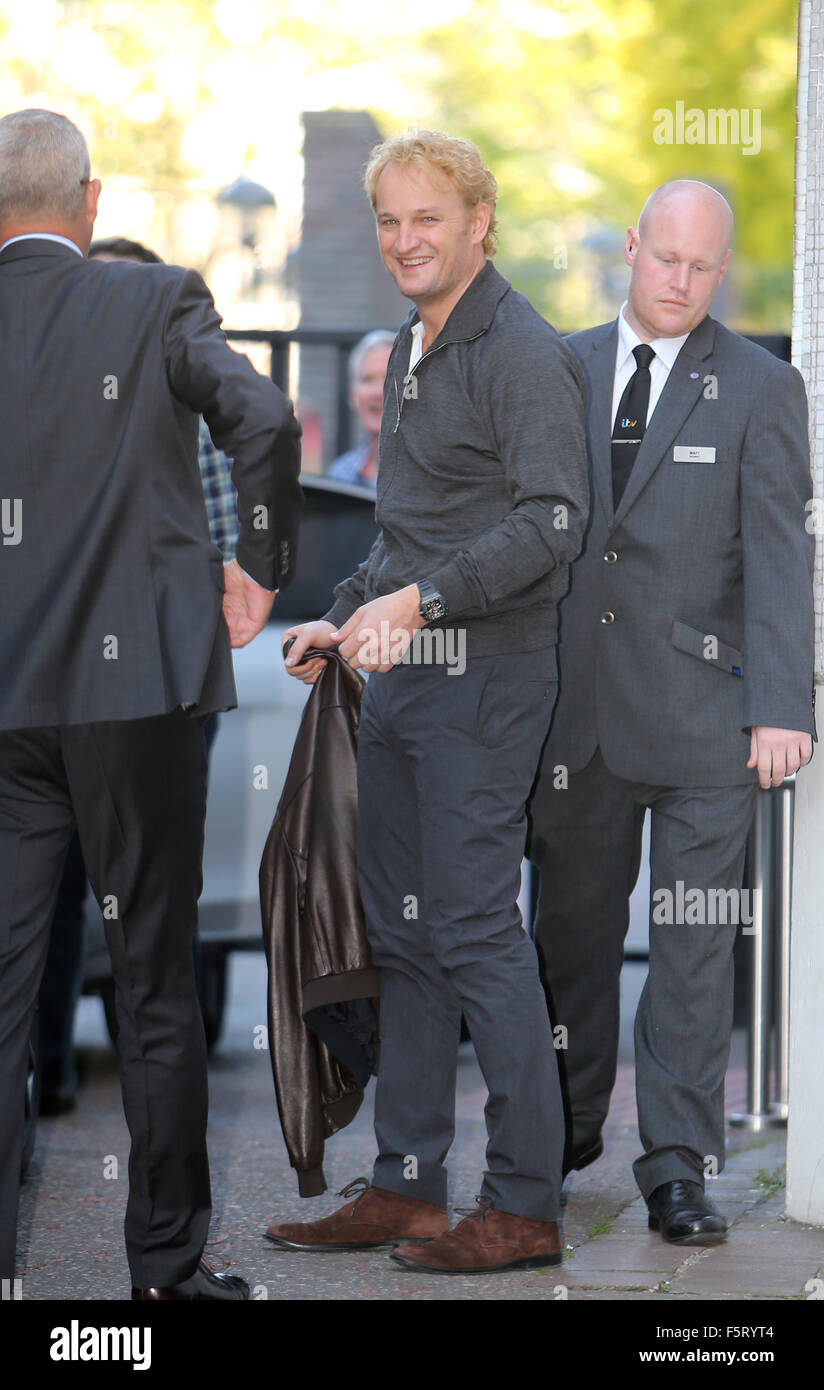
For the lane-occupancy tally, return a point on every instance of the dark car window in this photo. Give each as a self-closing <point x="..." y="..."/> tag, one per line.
<point x="337" y="529"/>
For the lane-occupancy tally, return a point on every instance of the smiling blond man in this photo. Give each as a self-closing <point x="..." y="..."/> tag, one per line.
<point x="686" y="661"/>
<point x="482" y="497"/>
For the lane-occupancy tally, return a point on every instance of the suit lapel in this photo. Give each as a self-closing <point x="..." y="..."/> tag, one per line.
<point x="601" y="371"/>
<point x="683" y="388"/>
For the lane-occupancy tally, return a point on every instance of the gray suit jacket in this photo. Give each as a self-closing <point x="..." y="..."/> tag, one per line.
<point x="110" y="586"/>
<point x="706" y="569"/>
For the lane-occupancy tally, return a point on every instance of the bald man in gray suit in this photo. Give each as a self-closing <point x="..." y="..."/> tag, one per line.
<point x="686" y="662"/>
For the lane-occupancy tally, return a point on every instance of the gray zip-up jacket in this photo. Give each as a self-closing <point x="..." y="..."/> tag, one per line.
<point x="482" y="481"/>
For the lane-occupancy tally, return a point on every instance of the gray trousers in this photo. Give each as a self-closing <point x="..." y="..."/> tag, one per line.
<point x="586" y="842"/>
<point x="445" y="765"/>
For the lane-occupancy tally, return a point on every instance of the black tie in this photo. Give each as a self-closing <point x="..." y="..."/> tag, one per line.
<point x="630" y="422"/>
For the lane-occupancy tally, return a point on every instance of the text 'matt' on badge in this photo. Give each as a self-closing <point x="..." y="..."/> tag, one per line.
<point x="693" y="453"/>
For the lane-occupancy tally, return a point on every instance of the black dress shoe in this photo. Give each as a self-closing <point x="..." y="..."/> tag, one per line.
<point x="54" y="1103"/>
<point x="576" y="1160"/>
<point x="684" y="1215"/>
<point x="202" y="1284"/>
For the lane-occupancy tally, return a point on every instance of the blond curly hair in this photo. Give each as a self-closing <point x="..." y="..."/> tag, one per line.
<point x="458" y="159"/>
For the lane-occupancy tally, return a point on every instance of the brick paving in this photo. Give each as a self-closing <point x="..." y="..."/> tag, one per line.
<point x="71" y="1213"/>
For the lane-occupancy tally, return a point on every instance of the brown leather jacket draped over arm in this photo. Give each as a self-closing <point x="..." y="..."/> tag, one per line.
<point x="313" y="929"/>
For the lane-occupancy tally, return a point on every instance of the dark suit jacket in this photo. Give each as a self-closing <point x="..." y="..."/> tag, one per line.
<point x="110" y="588"/>
<point x="706" y="569"/>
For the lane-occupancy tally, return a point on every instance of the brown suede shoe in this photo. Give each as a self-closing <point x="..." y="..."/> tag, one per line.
<point x="376" y="1218"/>
<point x="485" y="1241"/>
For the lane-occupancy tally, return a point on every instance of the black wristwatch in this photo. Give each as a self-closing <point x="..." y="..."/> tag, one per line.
<point x="432" y="606"/>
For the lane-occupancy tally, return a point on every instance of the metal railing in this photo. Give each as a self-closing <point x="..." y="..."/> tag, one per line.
<point x="280" y="340"/>
<point x="344" y="339"/>
<point x="768" y="1005"/>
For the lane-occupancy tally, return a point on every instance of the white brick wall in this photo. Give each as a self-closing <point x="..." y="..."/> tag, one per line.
<point x="805" y="1134"/>
<point x="808" y="300"/>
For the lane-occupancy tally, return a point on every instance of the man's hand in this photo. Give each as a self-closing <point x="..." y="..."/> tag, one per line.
<point x="246" y="606"/>
<point x="778" y="753"/>
<point x="377" y="635"/>
<point x="317" y="634"/>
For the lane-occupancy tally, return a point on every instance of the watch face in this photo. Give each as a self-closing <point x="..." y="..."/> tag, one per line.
<point x="433" y="608"/>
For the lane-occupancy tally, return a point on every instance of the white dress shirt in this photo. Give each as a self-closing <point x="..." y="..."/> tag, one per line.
<point x="416" y="352"/>
<point x="666" y="350"/>
<point x="42" y="236"/>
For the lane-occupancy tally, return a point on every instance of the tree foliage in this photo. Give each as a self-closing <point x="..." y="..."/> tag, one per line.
<point x="561" y="96"/>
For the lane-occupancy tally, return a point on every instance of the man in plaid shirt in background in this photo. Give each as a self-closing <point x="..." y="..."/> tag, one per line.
<point x="219" y="493"/>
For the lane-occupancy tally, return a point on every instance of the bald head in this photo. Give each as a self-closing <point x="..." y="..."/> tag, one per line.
<point x="688" y="198"/>
<point x="678" y="255"/>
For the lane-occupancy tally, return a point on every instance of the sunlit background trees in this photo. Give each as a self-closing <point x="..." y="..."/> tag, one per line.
<point x="180" y="97"/>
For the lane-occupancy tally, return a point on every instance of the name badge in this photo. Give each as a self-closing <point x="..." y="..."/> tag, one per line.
<point x="693" y="453"/>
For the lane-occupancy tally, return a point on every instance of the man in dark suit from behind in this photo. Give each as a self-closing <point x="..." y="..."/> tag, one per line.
<point x="117" y="616"/>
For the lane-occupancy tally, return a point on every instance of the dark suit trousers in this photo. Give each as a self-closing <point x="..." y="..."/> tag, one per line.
<point x="136" y="790"/>
<point x="586" y="843"/>
<point x="445" y="764"/>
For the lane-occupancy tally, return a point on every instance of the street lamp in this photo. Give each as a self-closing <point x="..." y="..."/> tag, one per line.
<point x="248" y="199"/>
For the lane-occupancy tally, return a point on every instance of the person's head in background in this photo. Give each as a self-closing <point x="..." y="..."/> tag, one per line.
<point x="367" y="371"/>
<point x="45" y="178"/>
<point x="120" y="248"/>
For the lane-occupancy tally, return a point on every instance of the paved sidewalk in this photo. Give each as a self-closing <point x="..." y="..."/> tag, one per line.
<point x="614" y="1255"/>
<point x="764" y="1256"/>
<point x="71" y="1243"/>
